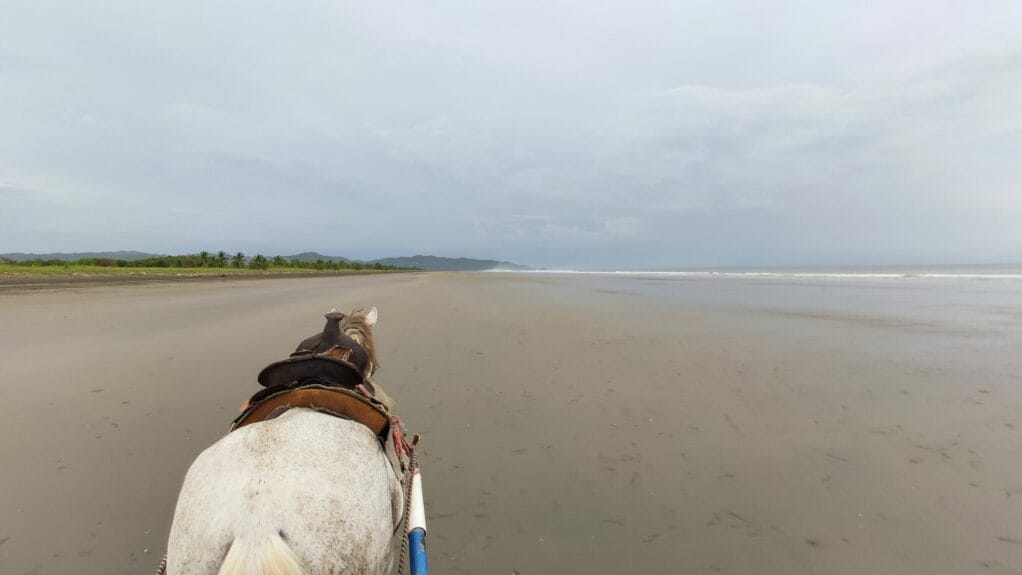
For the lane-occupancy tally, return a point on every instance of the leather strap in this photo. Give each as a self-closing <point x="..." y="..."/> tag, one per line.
<point x="333" y="400"/>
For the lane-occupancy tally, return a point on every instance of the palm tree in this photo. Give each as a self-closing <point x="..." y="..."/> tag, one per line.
<point x="238" y="260"/>
<point x="221" y="259"/>
<point x="204" y="258"/>
<point x="259" y="262"/>
<point x="279" y="262"/>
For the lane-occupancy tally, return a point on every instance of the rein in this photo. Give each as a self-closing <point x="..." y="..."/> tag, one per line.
<point x="402" y="446"/>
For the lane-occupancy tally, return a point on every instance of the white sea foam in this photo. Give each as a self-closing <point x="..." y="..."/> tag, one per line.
<point x="839" y="275"/>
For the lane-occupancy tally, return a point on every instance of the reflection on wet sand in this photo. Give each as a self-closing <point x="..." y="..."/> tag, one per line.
<point x="570" y="424"/>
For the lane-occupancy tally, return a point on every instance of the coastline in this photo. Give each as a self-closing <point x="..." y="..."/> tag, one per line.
<point x="13" y="282"/>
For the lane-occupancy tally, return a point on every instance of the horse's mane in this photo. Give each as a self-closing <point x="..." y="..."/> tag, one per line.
<point x="356" y="327"/>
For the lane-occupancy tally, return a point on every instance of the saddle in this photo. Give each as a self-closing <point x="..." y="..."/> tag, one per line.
<point x="330" y="355"/>
<point x="328" y="373"/>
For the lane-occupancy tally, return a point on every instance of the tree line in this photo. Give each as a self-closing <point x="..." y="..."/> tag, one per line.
<point x="220" y="259"/>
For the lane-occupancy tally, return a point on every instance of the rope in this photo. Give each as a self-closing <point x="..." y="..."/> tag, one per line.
<point x="402" y="446"/>
<point x="161" y="569"/>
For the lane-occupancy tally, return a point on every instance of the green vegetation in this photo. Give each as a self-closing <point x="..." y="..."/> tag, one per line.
<point x="203" y="263"/>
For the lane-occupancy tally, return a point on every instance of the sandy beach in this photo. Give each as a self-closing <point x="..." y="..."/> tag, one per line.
<point x="570" y="424"/>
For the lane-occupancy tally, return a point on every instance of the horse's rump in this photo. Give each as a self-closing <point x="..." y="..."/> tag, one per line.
<point x="319" y="485"/>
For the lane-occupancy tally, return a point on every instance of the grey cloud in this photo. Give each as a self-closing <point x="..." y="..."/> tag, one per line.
<point x="553" y="134"/>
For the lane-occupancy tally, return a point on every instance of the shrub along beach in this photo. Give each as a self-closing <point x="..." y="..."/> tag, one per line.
<point x="203" y="264"/>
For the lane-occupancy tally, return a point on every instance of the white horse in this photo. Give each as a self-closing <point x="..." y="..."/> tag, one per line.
<point x="303" y="493"/>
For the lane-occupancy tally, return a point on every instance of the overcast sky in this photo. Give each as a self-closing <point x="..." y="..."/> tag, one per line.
<point x="585" y="134"/>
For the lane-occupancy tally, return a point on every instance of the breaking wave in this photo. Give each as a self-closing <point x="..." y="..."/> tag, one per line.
<point x="839" y="275"/>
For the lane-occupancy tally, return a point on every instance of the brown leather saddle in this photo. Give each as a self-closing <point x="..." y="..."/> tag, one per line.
<point x="327" y="373"/>
<point x="330" y="355"/>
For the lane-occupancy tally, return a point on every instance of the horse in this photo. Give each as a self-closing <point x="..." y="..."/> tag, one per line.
<point x="305" y="492"/>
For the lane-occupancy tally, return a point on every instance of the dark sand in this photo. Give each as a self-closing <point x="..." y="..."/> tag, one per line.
<point x="571" y="425"/>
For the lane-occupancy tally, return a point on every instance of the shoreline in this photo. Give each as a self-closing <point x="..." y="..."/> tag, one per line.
<point x="16" y="282"/>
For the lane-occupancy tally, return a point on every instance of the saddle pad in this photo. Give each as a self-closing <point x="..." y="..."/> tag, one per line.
<point x="333" y="400"/>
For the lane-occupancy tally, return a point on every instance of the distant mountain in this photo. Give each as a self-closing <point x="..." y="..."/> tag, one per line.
<point x="70" y="257"/>
<point x="313" y="256"/>
<point x="434" y="263"/>
<point x="429" y="263"/>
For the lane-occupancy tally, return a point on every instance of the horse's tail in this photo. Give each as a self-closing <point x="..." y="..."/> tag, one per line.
<point x="268" y="555"/>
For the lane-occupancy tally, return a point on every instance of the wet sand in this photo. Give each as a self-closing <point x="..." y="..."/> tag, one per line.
<point x="570" y="425"/>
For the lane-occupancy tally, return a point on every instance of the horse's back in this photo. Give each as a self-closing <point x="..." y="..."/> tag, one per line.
<point x="319" y="484"/>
